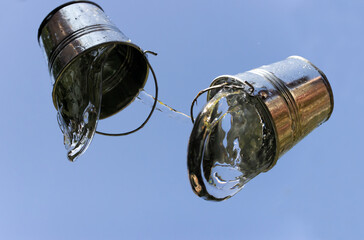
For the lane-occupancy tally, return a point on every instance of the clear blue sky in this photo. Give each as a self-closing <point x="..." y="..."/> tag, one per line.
<point x="136" y="187"/>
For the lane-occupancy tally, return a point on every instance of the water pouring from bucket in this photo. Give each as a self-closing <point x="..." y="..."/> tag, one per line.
<point x="250" y="120"/>
<point x="96" y="71"/>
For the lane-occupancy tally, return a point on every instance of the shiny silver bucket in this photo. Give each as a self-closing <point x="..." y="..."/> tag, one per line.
<point x="251" y="119"/>
<point x="295" y="93"/>
<point x="78" y="27"/>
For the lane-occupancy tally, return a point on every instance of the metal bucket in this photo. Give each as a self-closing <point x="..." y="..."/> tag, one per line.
<point x="78" y="27"/>
<point x="295" y="94"/>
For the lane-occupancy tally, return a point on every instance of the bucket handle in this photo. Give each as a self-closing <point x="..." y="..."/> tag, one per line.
<point x="223" y="85"/>
<point x="151" y="111"/>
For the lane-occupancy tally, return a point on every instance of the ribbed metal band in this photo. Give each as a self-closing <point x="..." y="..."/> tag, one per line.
<point x="78" y="34"/>
<point x="288" y="98"/>
<point x="50" y="15"/>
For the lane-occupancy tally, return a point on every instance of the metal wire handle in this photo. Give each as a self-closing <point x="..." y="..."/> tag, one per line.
<point x="153" y="107"/>
<point x="223" y="85"/>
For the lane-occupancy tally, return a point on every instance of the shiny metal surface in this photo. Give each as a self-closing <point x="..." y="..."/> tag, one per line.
<point x="296" y="94"/>
<point x="77" y="27"/>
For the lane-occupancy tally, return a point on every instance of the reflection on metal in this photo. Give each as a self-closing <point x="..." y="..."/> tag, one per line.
<point x="294" y="94"/>
<point x="297" y="95"/>
<point x="79" y="32"/>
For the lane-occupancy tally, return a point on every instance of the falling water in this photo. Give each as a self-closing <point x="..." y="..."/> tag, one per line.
<point x="78" y="98"/>
<point x="232" y="141"/>
<point x="148" y="100"/>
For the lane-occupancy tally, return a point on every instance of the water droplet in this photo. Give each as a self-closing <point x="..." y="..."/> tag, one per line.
<point x="85" y="117"/>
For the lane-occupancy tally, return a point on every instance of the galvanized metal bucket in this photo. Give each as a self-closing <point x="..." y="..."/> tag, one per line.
<point x="295" y="93"/>
<point x="78" y="27"/>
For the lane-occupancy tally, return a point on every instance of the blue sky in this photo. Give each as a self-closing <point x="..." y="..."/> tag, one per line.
<point x="136" y="187"/>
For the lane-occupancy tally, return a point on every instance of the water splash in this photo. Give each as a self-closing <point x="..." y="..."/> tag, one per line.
<point x="148" y="100"/>
<point x="78" y="97"/>
<point x="232" y="142"/>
